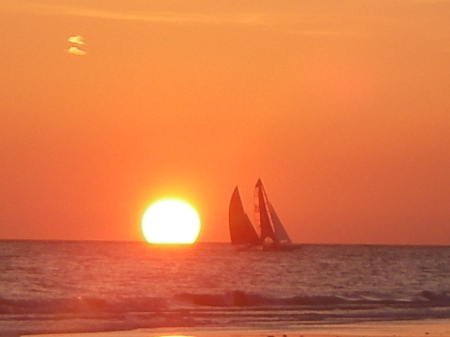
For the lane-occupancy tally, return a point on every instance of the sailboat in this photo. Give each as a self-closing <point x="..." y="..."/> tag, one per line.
<point x="272" y="234"/>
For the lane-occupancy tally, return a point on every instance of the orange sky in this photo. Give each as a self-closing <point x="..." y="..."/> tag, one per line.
<point x="342" y="108"/>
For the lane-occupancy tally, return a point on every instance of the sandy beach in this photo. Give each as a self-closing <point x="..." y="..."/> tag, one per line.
<point x="430" y="328"/>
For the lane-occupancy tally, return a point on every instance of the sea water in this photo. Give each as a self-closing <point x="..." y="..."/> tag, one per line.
<point x="52" y="286"/>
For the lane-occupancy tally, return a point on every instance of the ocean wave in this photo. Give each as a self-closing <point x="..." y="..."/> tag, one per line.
<point x="81" y="305"/>
<point x="238" y="299"/>
<point x="442" y="298"/>
<point x="236" y="308"/>
<point x="244" y="299"/>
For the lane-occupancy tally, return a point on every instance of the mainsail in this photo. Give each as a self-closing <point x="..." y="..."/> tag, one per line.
<point x="241" y="228"/>
<point x="262" y="218"/>
<point x="267" y="219"/>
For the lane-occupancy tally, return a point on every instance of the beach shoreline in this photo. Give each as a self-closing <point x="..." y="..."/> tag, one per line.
<point x="413" y="328"/>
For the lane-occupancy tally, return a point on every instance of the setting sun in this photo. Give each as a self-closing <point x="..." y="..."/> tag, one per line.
<point x="171" y="221"/>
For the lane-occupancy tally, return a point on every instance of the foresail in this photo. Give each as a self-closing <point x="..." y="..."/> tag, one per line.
<point x="241" y="228"/>
<point x="281" y="236"/>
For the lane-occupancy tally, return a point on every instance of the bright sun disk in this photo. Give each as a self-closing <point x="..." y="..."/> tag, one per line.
<point x="171" y="221"/>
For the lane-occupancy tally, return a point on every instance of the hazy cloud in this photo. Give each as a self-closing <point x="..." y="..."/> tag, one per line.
<point x="76" y="39"/>
<point x="76" y="51"/>
<point x="150" y="16"/>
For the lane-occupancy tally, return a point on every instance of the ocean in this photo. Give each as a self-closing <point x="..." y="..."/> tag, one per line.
<point x="64" y="286"/>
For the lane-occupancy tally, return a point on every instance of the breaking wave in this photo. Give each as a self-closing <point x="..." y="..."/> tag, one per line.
<point x="237" y="308"/>
<point x="239" y="299"/>
<point x="426" y="299"/>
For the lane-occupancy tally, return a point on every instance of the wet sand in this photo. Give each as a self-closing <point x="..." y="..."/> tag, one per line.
<point x="425" y="328"/>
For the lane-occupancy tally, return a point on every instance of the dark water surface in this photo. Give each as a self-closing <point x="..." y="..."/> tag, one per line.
<point x="51" y="286"/>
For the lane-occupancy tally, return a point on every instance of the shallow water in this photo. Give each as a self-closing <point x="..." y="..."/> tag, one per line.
<point x="104" y="286"/>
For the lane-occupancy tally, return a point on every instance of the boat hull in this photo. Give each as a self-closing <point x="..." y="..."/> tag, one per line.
<point x="280" y="248"/>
